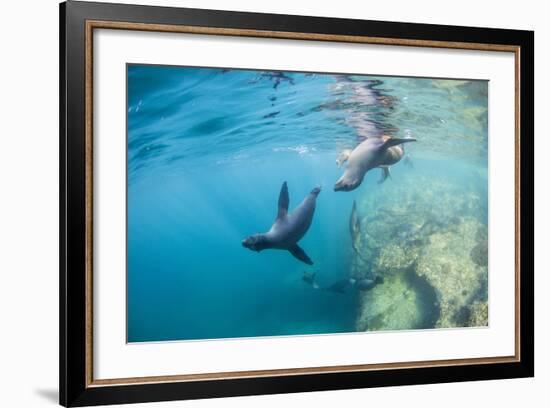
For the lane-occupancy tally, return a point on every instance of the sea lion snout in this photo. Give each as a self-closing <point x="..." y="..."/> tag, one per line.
<point x="253" y="242"/>
<point x="316" y="190"/>
<point x="345" y="185"/>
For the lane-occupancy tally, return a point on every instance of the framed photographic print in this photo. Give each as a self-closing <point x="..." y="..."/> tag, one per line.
<point x="256" y="203"/>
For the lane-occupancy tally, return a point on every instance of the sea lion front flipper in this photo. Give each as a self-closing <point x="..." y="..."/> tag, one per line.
<point x="394" y="141"/>
<point x="342" y="157"/>
<point x="299" y="253"/>
<point x="385" y="174"/>
<point x="283" y="201"/>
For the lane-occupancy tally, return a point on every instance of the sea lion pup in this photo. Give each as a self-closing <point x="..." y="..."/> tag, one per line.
<point x="372" y="152"/>
<point x="309" y="278"/>
<point x="287" y="229"/>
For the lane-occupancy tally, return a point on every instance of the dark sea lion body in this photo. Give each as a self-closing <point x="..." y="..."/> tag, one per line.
<point x="363" y="284"/>
<point x="366" y="283"/>
<point x="340" y="286"/>
<point x="287" y="229"/>
<point x="355" y="229"/>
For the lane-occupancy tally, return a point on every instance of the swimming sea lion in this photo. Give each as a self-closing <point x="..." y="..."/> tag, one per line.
<point x="287" y="229"/>
<point x="372" y="152"/>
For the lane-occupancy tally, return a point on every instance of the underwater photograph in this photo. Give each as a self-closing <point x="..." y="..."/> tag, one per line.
<point x="278" y="203"/>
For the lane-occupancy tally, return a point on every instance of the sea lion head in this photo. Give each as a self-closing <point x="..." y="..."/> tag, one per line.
<point x="348" y="182"/>
<point x="255" y="242"/>
<point x="316" y="191"/>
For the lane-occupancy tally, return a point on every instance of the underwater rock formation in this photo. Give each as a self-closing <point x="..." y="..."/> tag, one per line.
<point x="448" y="267"/>
<point x="428" y="239"/>
<point x="403" y="301"/>
<point x="479" y="314"/>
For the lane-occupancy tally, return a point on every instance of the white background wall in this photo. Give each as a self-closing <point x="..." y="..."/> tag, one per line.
<point x="29" y="202"/>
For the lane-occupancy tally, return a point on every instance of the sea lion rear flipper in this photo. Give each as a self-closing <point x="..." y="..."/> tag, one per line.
<point x="299" y="253"/>
<point x="283" y="201"/>
<point x="394" y="141"/>
<point x="385" y="174"/>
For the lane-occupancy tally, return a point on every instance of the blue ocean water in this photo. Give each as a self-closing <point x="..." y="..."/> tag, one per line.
<point x="208" y="151"/>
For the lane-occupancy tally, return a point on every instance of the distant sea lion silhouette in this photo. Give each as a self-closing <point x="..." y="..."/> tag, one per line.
<point x="366" y="283"/>
<point x="340" y="286"/>
<point x="363" y="284"/>
<point x="287" y="229"/>
<point x="309" y="278"/>
<point x="277" y="78"/>
<point x="371" y="153"/>
<point x="355" y="230"/>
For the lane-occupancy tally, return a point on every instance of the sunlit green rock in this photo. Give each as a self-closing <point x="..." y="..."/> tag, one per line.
<point x="404" y="301"/>
<point x="427" y="237"/>
<point x="448" y="267"/>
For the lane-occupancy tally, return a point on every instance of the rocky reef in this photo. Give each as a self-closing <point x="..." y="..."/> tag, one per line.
<point x="427" y="237"/>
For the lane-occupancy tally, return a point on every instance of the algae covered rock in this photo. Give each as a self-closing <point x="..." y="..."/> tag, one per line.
<point x="479" y="314"/>
<point x="397" y="304"/>
<point x="427" y="238"/>
<point x="396" y="257"/>
<point x="480" y="252"/>
<point x="448" y="267"/>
